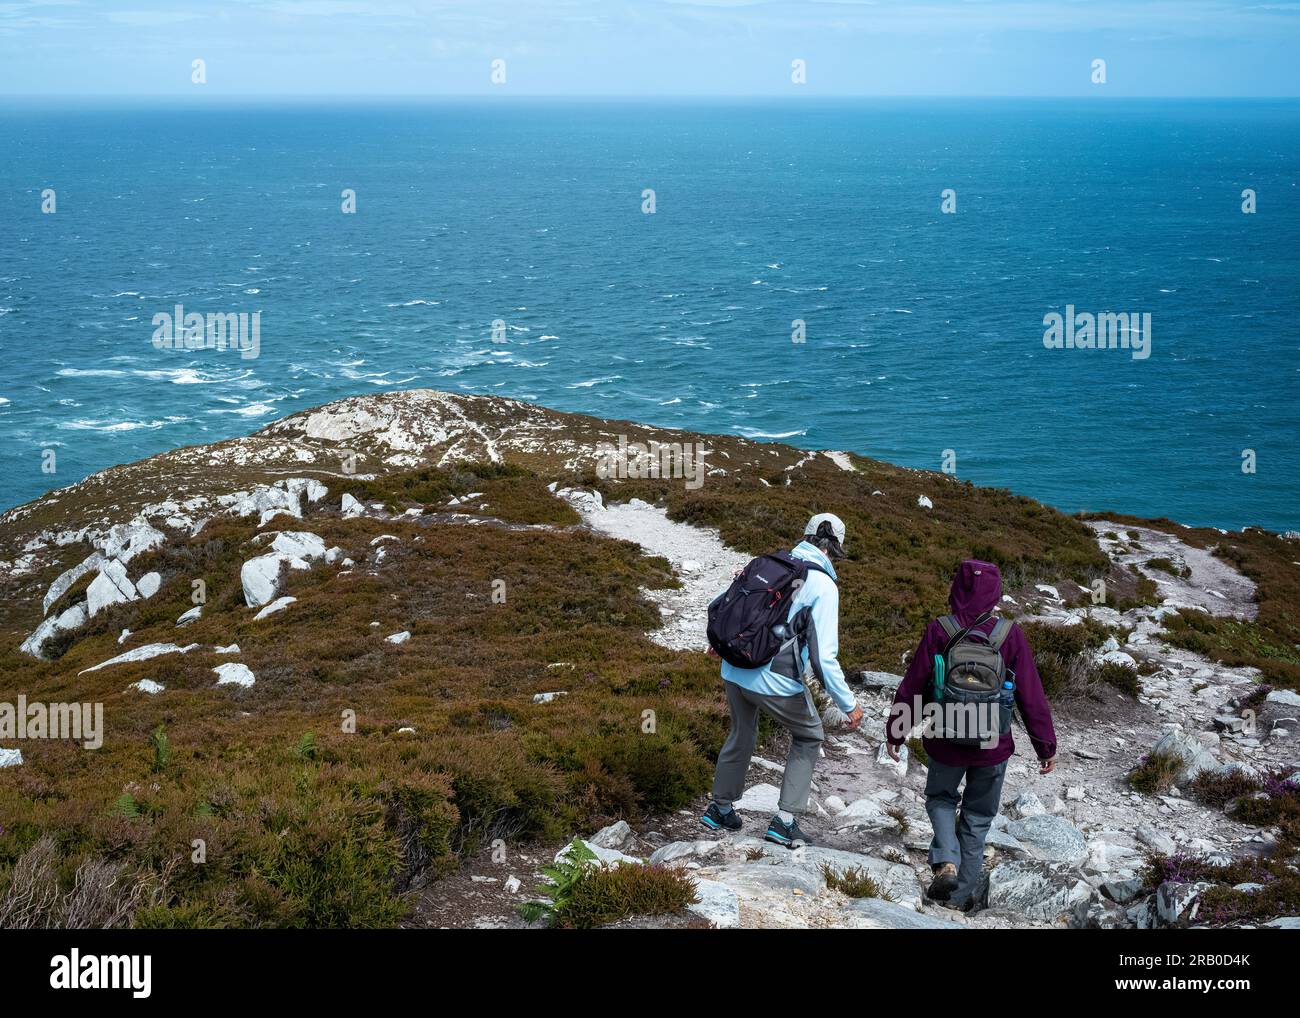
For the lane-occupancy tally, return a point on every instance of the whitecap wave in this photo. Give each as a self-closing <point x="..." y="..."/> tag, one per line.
<point x="90" y="373"/>
<point x="93" y="425"/>
<point x="755" y="433"/>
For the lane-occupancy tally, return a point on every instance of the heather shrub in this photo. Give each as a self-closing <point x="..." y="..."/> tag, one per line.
<point x="1155" y="772"/>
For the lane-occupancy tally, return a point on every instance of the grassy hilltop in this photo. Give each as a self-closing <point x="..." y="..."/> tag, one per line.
<point x="305" y="823"/>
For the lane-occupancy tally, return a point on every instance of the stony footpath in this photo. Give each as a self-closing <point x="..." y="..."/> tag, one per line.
<point x="1068" y="847"/>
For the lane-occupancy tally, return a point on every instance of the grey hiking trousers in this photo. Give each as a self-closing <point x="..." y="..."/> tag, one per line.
<point x="798" y="715"/>
<point x="960" y="840"/>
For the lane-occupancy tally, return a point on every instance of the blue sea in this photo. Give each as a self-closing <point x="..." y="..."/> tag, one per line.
<point x="924" y="330"/>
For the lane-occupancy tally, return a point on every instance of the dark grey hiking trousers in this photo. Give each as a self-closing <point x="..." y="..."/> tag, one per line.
<point x="960" y="841"/>
<point x="795" y="713"/>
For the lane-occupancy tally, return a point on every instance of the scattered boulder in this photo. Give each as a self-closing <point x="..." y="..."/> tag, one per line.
<point x="401" y="637"/>
<point x="548" y="697"/>
<point x="260" y="577"/>
<point x="147" y="686"/>
<point x="1027" y="805"/>
<point x="125" y="541"/>
<point x="889" y="915"/>
<point x="608" y="856"/>
<point x="144" y="653"/>
<point x="112" y="586"/>
<point x="265" y="501"/>
<point x="278" y="605"/>
<point x="148" y="585"/>
<point x="751" y="880"/>
<point x="1035" y="889"/>
<point x="1097" y="913"/>
<point x="193" y="615"/>
<point x="10" y="757"/>
<point x="1177" y="904"/>
<point x="299" y="544"/>
<point x="899" y="766"/>
<point x="897" y="880"/>
<point x="616" y="835"/>
<point x="1289" y="697"/>
<point x="304" y="487"/>
<point x="71" y="618"/>
<point x="1051" y="838"/>
<point x="761" y="798"/>
<point x="1004" y="842"/>
<point x="879" y="680"/>
<point x="66" y="579"/>
<point x="681" y="850"/>
<point x="716" y="903"/>
<point x="1122" y="891"/>
<point x="234" y="674"/>
<point x="1193" y="755"/>
<point x="1156" y="840"/>
<point x="863" y="814"/>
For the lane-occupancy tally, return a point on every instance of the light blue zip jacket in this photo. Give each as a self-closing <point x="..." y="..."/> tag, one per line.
<point x="821" y="594"/>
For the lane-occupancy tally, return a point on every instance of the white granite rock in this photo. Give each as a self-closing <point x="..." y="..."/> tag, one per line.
<point x="112" y="586"/>
<point x="278" y="605"/>
<point x="234" y="673"/>
<point x="144" y="653"/>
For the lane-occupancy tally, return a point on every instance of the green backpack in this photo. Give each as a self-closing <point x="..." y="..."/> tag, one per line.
<point x="972" y="683"/>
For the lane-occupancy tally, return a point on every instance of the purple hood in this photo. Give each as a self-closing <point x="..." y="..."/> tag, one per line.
<point x="976" y="588"/>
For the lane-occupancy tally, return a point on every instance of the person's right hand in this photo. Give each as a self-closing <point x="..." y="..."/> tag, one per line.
<point x="892" y="750"/>
<point x="855" y="719"/>
<point x="1047" y="766"/>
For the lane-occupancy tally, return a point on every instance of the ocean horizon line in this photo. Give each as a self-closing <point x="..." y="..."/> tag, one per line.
<point x="495" y="97"/>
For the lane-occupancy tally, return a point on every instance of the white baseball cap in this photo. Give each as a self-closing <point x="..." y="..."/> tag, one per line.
<point x="836" y="526"/>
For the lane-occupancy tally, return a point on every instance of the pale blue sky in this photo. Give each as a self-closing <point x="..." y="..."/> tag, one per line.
<point x="649" y="47"/>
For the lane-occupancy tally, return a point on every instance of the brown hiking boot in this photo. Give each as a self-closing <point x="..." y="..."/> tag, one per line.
<point x="944" y="883"/>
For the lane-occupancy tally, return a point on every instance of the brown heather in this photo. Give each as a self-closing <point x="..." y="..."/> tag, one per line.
<point x="306" y="825"/>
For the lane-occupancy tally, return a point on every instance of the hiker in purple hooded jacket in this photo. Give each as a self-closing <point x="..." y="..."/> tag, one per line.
<point x="957" y="849"/>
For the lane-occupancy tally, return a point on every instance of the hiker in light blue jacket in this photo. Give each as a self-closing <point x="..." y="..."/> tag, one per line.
<point x="777" y="689"/>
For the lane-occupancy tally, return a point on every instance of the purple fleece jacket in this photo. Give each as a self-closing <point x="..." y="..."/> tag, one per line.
<point x="976" y="588"/>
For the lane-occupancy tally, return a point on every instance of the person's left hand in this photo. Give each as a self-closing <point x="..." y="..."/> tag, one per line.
<point x="892" y="750"/>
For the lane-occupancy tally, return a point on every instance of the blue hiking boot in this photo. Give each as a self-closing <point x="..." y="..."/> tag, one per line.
<point x="714" y="819"/>
<point x="787" y="835"/>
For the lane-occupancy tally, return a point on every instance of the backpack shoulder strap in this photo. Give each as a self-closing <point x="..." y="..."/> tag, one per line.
<point x="1001" y="630"/>
<point x="960" y="634"/>
<point x="802" y="564"/>
<point x="814" y="566"/>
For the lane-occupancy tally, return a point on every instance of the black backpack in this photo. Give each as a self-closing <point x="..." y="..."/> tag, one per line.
<point x="973" y="683"/>
<point x="742" y="617"/>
